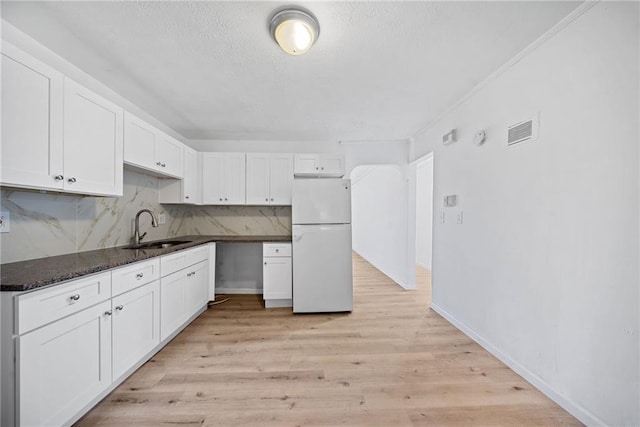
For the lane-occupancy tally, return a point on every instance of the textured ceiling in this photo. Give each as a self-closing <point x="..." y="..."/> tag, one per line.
<point x="209" y="70"/>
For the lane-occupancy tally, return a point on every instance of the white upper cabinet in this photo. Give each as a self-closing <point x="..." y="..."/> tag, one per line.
<point x="319" y="165"/>
<point x="269" y="178"/>
<point x="223" y="178"/>
<point x="56" y="134"/>
<point x="92" y="142"/>
<point x="32" y="109"/>
<point x="149" y="148"/>
<point x="186" y="190"/>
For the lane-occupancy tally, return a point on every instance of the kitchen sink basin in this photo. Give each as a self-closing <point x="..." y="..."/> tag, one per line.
<point x="161" y="244"/>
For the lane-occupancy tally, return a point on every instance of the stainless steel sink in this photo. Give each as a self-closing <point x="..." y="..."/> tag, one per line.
<point x="160" y="244"/>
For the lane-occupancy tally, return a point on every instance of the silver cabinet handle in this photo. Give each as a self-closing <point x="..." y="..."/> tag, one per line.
<point x="75" y="297"/>
<point x="108" y="313"/>
<point x="159" y="163"/>
<point x="71" y="180"/>
<point x="119" y="307"/>
<point x="58" y="177"/>
<point x="139" y="276"/>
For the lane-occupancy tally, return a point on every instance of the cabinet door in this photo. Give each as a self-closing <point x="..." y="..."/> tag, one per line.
<point x="63" y="366"/>
<point x="211" y="184"/>
<point x="173" y="304"/>
<point x="281" y="178"/>
<point x="92" y="142"/>
<point x="139" y="142"/>
<point x="32" y="100"/>
<point x="276" y="278"/>
<point x="197" y="286"/>
<point x="258" y="179"/>
<point x="136" y="326"/>
<point x="191" y="183"/>
<point x="306" y="164"/>
<point x="332" y="165"/>
<point x="169" y="153"/>
<point x="234" y="179"/>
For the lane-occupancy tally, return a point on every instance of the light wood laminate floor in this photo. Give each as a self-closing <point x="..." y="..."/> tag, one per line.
<point x="392" y="362"/>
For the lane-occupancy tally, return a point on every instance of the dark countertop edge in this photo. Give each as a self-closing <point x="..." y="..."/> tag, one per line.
<point x="110" y="261"/>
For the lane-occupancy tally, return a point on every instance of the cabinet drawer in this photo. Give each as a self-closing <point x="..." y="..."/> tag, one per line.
<point x="41" y="307"/>
<point x="276" y="249"/>
<point x="175" y="262"/>
<point x="138" y="274"/>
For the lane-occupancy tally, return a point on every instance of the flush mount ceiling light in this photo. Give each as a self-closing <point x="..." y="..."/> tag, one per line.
<point x="295" y="30"/>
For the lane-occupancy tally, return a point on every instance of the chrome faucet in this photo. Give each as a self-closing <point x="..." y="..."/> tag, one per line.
<point x="136" y="234"/>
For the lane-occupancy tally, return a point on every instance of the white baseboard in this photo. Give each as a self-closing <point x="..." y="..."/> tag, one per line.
<point x="238" y="291"/>
<point x="573" y="408"/>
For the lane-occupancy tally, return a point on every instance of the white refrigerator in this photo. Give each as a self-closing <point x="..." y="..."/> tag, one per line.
<point x="321" y="219"/>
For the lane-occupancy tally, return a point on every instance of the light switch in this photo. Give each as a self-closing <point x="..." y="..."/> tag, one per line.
<point x="459" y="218"/>
<point x="5" y="225"/>
<point x="162" y="219"/>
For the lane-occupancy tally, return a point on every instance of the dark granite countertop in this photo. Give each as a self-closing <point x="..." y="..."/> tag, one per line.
<point x="36" y="273"/>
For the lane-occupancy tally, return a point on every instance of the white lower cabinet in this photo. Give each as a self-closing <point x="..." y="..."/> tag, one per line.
<point x="135" y="327"/>
<point x="197" y="294"/>
<point x="173" y="304"/>
<point x="73" y="343"/>
<point x="277" y="275"/>
<point x="183" y="294"/>
<point x="63" y="366"/>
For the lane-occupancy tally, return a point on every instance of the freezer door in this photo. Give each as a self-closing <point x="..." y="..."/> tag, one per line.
<point x="321" y="201"/>
<point x="322" y="272"/>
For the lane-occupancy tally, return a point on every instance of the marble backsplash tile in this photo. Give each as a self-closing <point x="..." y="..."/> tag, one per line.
<point x="47" y="224"/>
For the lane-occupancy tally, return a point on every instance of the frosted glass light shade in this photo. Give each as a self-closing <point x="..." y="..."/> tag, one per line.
<point x="294" y="30"/>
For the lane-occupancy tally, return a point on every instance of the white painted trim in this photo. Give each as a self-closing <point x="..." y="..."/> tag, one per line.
<point x="579" y="11"/>
<point x="573" y="408"/>
<point x="238" y="291"/>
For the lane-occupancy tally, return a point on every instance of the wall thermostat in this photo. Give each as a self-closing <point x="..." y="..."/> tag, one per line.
<point x="479" y="137"/>
<point x="450" y="201"/>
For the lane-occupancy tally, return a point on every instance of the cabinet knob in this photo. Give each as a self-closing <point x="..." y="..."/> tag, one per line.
<point x="221" y="199"/>
<point x="186" y="197"/>
<point x="139" y="276"/>
<point x="164" y="165"/>
<point x="159" y="163"/>
<point x="272" y="200"/>
<point x="277" y="250"/>
<point x="58" y="177"/>
<point x="75" y="297"/>
<point x="317" y="168"/>
<point x="265" y="263"/>
<point x="266" y="200"/>
<point x="225" y="199"/>
<point x="108" y="313"/>
<point x="119" y="307"/>
<point x="71" y="180"/>
<point x="322" y="168"/>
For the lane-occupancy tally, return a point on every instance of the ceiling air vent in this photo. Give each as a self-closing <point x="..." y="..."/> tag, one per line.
<point x="522" y="132"/>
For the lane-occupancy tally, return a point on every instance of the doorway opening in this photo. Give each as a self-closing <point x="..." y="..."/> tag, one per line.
<point x="424" y="225"/>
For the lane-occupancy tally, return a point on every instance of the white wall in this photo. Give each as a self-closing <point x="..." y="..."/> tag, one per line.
<point x="379" y="219"/>
<point x="424" y="211"/>
<point x="544" y="270"/>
